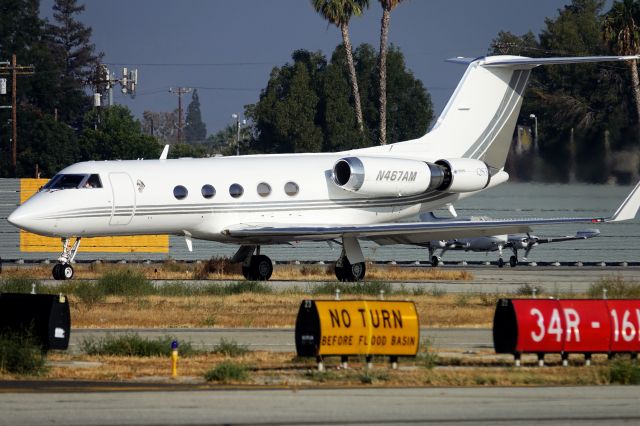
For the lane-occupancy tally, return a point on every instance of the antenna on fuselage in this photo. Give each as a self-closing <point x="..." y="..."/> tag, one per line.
<point x="165" y="152"/>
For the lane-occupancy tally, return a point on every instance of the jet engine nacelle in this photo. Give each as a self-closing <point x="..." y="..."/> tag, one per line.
<point x="381" y="176"/>
<point x="386" y="176"/>
<point x="464" y="175"/>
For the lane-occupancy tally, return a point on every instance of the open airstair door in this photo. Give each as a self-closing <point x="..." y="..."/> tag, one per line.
<point x="124" y="198"/>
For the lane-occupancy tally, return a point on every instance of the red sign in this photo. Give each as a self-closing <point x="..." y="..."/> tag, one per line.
<point x="569" y="326"/>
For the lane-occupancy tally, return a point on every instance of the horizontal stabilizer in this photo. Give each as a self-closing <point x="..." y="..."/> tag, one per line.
<point x="521" y="61"/>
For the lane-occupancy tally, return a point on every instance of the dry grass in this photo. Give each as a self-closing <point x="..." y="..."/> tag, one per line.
<point x="221" y="269"/>
<point x="253" y="310"/>
<point x="283" y="369"/>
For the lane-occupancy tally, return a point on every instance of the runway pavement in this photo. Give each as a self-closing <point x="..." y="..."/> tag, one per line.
<point x="88" y="404"/>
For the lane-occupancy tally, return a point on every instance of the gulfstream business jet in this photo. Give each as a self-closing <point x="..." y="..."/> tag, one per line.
<point x="259" y="200"/>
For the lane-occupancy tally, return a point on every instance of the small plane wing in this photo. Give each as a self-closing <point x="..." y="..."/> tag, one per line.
<point x="580" y="235"/>
<point x="417" y="232"/>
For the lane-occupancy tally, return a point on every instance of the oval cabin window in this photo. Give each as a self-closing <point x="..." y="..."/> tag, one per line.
<point x="180" y="192"/>
<point x="236" y="190"/>
<point x="291" y="188"/>
<point x="264" y="189"/>
<point x="208" y="191"/>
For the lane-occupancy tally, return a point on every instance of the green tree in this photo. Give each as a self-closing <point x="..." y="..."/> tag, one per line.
<point x="52" y="145"/>
<point x="339" y="13"/>
<point x="305" y="106"/>
<point x="620" y="32"/>
<point x="195" y="129"/>
<point x="387" y="7"/>
<point x="112" y="133"/>
<point x="285" y="115"/>
<point x="70" y="40"/>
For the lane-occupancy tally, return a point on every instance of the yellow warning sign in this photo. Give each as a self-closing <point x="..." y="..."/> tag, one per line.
<point x="368" y="327"/>
<point x="131" y="244"/>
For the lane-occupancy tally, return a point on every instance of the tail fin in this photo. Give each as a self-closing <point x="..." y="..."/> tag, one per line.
<point x="480" y="118"/>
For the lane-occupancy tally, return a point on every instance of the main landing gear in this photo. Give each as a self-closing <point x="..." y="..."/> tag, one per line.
<point x="63" y="270"/>
<point x="513" y="260"/>
<point x="346" y="271"/>
<point x="255" y="267"/>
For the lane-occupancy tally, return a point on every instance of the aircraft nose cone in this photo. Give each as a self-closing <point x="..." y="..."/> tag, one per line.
<point x="25" y="217"/>
<point x="18" y="218"/>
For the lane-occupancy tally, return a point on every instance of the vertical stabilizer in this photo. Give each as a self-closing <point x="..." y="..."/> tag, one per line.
<point x="480" y="118"/>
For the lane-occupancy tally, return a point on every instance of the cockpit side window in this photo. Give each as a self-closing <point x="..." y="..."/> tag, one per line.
<point x="93" y="182"/>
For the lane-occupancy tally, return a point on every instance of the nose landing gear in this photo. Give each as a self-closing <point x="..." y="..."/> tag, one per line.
<point x="63" y="270"/>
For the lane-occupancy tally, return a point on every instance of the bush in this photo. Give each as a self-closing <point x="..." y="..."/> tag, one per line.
<point x="20" y="354"/>
<point x="624" y="372"/>
<point x="20" y="285"/>
<point x="226" y="372"/>
<point x="89" y="293"/>
<point x="371" y="288"/>
<point x="527" y="290"/>
<point x="230" y="348"/>
<point x="133" y="345"/>
<point x="369" y="377"/>
<point x="217" y="266"/>
<point x="426" y="356"/>
<point x="239" y="287"/>
<point x="125" y="283"/>
<point x="616" y="288"/>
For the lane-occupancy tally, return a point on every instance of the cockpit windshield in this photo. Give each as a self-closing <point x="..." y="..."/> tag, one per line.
<point x="68" y="181"/>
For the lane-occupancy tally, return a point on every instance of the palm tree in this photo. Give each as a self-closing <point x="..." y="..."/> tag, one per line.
<point x="387" y="7"/>
<point x="620" y="31"/>
<point x="339" y="13"/>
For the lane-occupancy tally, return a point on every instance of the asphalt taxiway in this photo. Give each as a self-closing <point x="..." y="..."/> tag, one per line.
<point x="88" y="404"/>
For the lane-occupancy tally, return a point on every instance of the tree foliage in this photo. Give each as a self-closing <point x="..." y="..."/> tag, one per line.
<point x="306" y="104"/>
<point x="195" y="129"/>
<point x="588" y="105"/>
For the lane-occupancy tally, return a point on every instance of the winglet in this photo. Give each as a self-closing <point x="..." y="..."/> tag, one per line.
<point x="629" y="207"/>
<point x="165" y="153"/>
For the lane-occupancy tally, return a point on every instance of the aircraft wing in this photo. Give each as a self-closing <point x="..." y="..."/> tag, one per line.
<point x="580" y="235"/>
<point x="416" y="232"/>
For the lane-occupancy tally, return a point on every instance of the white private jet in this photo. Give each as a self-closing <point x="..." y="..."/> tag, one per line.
<point x="259" y="200"/>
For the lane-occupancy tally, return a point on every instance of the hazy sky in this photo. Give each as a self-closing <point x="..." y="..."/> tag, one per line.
<point x="226" y="49"/>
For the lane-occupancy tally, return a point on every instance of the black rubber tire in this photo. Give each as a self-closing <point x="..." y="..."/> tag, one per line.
<point x="500" y="263"/>
<point x="56" y="272"/>
<point x="66" y="271"/>
<point x="435" y="261"/>
<point x="339" y="271"/>
<point x="353" y="272"/>
<point x="261" y="268"/>
<point x="513" y="261"/>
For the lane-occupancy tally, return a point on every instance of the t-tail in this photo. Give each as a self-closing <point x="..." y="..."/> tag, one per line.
<point x="479" y="120"/>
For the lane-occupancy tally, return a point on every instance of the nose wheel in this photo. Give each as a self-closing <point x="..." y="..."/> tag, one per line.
<point x="62" y="271"/>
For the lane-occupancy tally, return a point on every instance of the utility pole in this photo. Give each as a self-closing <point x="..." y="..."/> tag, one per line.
<point x="15" y="70"/>
<point x="179" y="91"/>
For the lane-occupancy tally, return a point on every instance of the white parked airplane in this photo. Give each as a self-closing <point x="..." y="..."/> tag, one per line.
<point x="497" y="243"/>
<point x="276" y="199"/>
